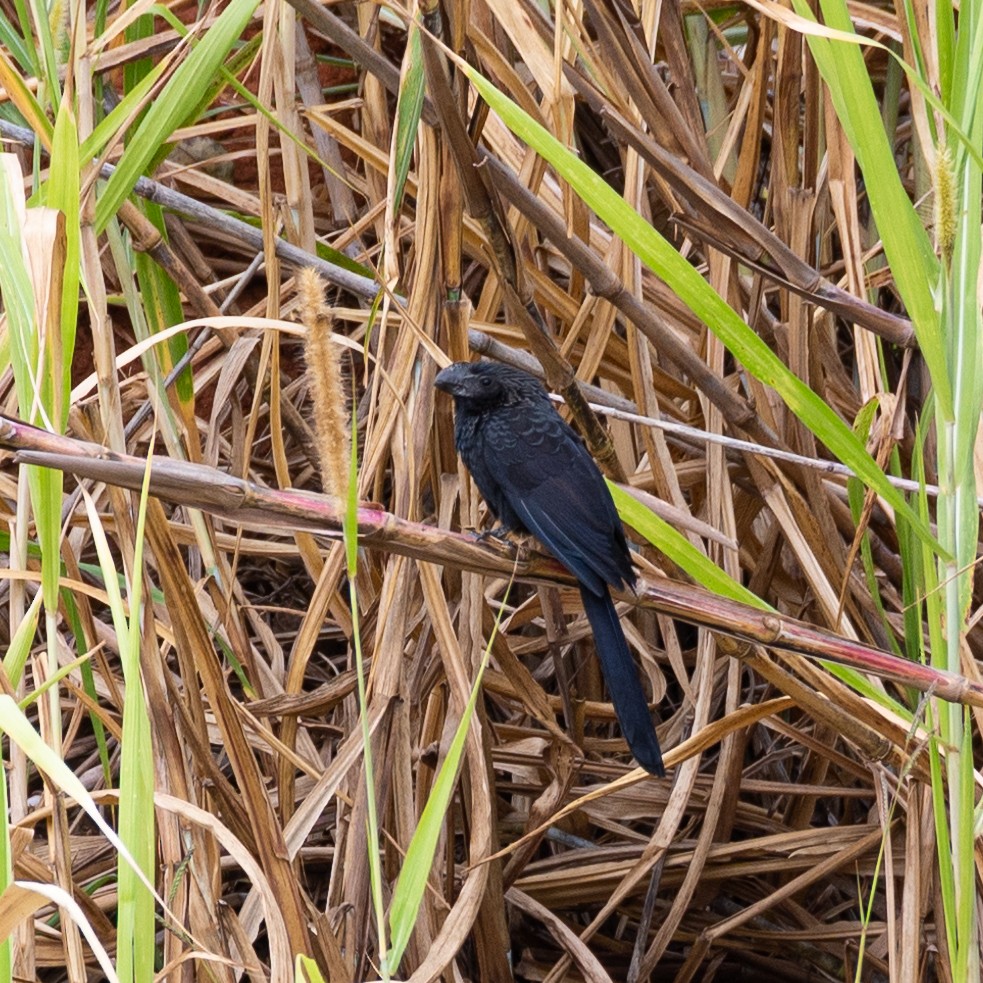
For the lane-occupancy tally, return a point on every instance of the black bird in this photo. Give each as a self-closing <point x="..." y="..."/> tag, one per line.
<point x="536" y="476"/>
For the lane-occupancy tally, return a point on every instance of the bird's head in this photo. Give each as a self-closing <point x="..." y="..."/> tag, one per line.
<point x="486" y="383"/>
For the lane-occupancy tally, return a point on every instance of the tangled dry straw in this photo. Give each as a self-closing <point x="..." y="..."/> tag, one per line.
<point x="793" y="839"/>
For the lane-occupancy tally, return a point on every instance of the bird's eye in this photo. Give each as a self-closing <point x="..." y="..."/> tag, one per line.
<point x="485" y="381"/>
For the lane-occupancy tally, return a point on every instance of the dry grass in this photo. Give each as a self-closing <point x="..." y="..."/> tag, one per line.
<point x="794" y="837"/>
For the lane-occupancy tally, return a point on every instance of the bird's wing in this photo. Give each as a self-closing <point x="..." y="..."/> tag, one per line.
<point x="553" y="485"/>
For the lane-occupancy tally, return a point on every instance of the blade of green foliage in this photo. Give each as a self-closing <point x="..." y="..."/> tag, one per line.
<point x="15" y="725"/>
<point x="945" y="45"/>
<point x="906" y="244"/>
<point x="21" y="642"/>
<point x="46" y="490"/>
<point x="162" y="305"/>
<point x="135" y="911"/>
<point x="15" y="286"/>
<point x="108" y="127"/>
<point x="965" y="65"/>
<point x="418" y="862"/>
<point x="11" y="40"/>
<point x="659" y="255"/>
<point x="64" y="670"/>
<point x="963" y="323"/>
<point x="170" y="109"/>
<point x="136" y="69"/>
<point x="856" y="496"/>
<point x="912" y="592"/>
<point x="680" y="550"/>
<point x="228" y="78"/>
<point x="943" y="843"/>
<point x="225" y="76"/>
<point x="63" y="193"/>
<point x="43" y="37"/>
<point x="409" y="107"/>
<point x="124" y="261"/>
<point x="338" y="258"/>
<point x="349" y="528"/>
<point x="6" y="876"/>
<point x="26" y="24"/>
<point x="967" y="961"/>
<point x="74" y="620"/>
<point x="958" y="192"/>
<point x="306" y="971"/>
<point x="135" y="918"/>
<point x="34" y="387"/>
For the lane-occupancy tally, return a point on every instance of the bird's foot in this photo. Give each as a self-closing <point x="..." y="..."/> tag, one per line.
<point x="500" y="537"/>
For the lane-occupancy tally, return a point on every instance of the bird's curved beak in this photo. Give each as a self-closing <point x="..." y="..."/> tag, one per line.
<point x="451" y="379"/>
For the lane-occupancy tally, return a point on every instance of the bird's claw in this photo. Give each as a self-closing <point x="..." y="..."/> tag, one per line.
<point x="499" y="536"/>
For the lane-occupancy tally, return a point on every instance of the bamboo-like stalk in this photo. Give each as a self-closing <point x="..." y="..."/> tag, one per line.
<point x="259" y="507"/>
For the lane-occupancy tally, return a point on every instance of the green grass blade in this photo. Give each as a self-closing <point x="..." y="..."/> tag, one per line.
<point x="15" y="284"/>
<point x="906" y="243"/>
<point x="409" y="107"/>
<point x="417" y="863"/>
<point x="350" y="535"/>
<point x="135" y="919"/>
<point x="135" y="915"/>
<point x="26" y="25"/>
<point x="43" y="38"/>
<point x="33" y="379"/>
<point x="680" y="550"/>
<point x="11" y="40"/>
<point x="63" y="194"/>
<point x="74" y="620"/>
<point x="659" y="255"/>
<point x="965" y="63"/>
<point x="306" y="971"/>
<point x="170" y="109"/>
<point x="15" y="725"/>
<point x="21" y="642"/>
<point x="109" y="126"/>
<point x="162" y="306"/>
<point x="6" y="876"/>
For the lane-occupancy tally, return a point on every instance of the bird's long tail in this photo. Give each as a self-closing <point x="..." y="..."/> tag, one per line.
<point x="622" y="680"/>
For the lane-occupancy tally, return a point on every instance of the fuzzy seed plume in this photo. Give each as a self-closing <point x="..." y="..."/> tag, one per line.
<point x="945" y="204"/>
<point x="324" y="367"/>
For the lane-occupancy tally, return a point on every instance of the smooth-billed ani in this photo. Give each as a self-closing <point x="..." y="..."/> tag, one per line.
<point x="536" y="476"/>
